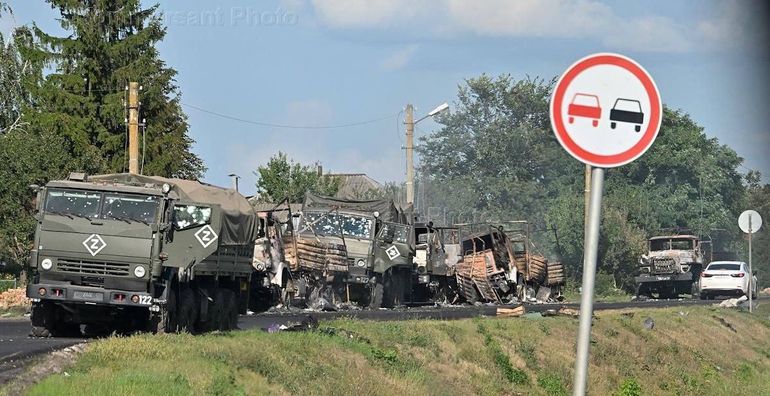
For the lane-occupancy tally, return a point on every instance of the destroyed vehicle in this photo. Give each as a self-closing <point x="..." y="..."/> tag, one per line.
<point x="487" y="272"/>
<point x="436" y="254"/>
<point x="498" y="260"/>
<point x="671" y="267"/>
<point x="350" y="251"/>
<point x="129" y="252"/>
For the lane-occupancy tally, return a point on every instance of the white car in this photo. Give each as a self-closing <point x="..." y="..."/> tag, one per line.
<point x="723" y="278"/>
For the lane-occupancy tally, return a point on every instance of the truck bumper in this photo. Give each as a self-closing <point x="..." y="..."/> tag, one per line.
<point x="663" y="278"/>
<point x="71" y="294"/>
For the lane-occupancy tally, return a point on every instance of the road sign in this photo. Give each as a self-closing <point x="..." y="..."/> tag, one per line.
<point x="750" y="221"/>
<point x="606" y="110"/>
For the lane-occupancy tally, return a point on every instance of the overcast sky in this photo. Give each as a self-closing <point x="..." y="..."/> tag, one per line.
<point x="333" y="62"/>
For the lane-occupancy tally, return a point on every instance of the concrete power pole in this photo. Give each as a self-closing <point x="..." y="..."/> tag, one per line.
<point x="133" y="128"/>
<point x="409" y="154"/>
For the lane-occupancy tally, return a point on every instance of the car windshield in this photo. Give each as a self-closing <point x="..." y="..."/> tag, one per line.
<point x="333" y="223"/>
<point x="73" y="203"/>
<point x="627" y="105"/>
<point x="724" y="266"/>
<point x="585" y="100"/>
<point x="130" y="207"/>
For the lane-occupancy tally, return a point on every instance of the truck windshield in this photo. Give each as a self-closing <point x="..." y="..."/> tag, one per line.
<point x="130" y="207"/>
<point x="73" y="203"/>
<point x="333" y="223"/>
<point x="671" y="244"/>
<point x="400" y="233"/>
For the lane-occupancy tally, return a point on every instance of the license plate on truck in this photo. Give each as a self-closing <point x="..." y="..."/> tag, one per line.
<point x="88" y="296"/>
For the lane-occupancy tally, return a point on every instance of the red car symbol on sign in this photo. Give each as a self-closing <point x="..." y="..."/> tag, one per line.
<point x="585" y="105"/>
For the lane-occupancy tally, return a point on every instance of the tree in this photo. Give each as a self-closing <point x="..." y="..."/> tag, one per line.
<point x="109" y="44"/>
<point x="282" y="178"/>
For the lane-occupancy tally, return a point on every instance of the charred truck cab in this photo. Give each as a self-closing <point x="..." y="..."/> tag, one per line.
<point x="125" y="252"/>
<point x="349" y="251"/>
<point x="436" y="254"/>
<point x="671" y="267"/>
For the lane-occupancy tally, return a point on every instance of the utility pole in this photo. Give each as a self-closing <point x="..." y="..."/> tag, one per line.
<point x="133" y="128"/>
<point x="409" y="154"/>
<point x="234" y="178"/>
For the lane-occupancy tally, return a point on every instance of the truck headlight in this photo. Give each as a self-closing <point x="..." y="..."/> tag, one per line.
<point x="361" y="263"/>
<point x="260" y="267"/>
<point x="46" y="264"/>
<point x="139" y="271"/>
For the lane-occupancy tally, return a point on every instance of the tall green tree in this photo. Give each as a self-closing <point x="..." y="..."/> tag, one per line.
<point x="282" y="178"/>
<point x="109" y="43"/>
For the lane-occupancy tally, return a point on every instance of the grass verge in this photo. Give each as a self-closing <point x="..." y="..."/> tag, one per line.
<point x="689" y="351"/>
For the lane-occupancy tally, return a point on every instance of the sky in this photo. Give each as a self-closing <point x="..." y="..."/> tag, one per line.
<point x="340" y="62"/>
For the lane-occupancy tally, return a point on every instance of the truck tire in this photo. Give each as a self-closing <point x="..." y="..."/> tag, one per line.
<point x="46" y="323"/>
<point x="228" y="315"/>
<point x="376" y="295"/>
<point x="217" y="313"/>
<point x="167" y="318"/>
<point x="187" y="310"/>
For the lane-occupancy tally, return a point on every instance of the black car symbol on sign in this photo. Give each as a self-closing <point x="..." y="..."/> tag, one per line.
<point x="627" y="110"/>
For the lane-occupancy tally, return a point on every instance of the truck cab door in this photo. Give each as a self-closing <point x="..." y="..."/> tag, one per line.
<point x="193" y="234"/>
<point x="392" y="247"/>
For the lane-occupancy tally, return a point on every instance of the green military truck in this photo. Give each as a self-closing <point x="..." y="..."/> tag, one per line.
<point x="125" y="252"/>
<point x="348" y="251"/>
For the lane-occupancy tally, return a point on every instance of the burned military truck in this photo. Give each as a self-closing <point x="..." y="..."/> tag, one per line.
<point x="671" y="267"/>
<point x="436" y="254"/>
<point x="498" y="265"/>
<point x="350" y="251"/>
<point x="124" y="252"/>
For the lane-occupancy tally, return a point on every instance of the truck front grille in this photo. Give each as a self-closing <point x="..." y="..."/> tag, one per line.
<point x="93" y="267"/>
<point x="663" y="265"/>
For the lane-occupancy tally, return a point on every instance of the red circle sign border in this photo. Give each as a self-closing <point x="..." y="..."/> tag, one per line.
<point x="615" y="160"/>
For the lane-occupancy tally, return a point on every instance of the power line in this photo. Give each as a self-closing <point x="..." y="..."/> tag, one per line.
<point x="286" y="126"/>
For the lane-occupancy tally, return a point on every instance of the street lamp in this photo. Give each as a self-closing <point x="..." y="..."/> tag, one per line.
<point x="410" y="123"/>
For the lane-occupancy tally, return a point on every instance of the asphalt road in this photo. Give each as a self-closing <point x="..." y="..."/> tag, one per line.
<point x="16" y="347"/>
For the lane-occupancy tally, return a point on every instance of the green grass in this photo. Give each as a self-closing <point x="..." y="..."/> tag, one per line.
<point x="685" y="354"/>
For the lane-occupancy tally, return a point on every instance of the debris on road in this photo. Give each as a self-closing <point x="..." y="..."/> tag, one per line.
<point x="510" y="312"/>
<point x="733" y="302"/>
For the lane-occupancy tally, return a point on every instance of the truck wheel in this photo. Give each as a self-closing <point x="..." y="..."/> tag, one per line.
<point x="230" y="311"/>
<point x="694" y="293"/>
<point x="704" y="296"/>
<point x="167" y="320"/>
<point x="217" y="313"/>
<point x="41" y="319"/>
<point x="187" y="310"/>
<point x="375" y="299"/>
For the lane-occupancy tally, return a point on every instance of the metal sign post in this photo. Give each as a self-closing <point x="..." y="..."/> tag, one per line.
<point x="750" y="222"/>
<point x="590" y="257"/>
<point x="751" y="270"/>
<point x="606" y="112"/>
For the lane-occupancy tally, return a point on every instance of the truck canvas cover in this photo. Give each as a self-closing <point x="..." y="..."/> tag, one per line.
<point x="239" y="220"/>
<point x="389" y="211"/>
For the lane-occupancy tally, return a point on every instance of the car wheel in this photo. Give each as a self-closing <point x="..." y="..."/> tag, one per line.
<point x="571" y="120"/>
<point x="613" y="125"/>
<point x="638" y="128"/>
<point x="595" y="123"/>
